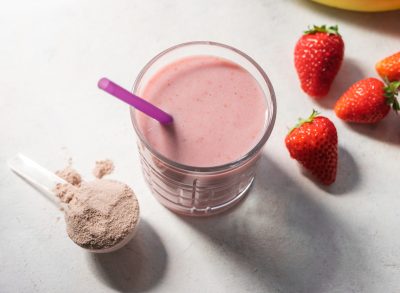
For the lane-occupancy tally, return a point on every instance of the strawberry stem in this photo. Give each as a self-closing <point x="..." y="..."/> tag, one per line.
<point x="310" y="119"/>
<point x="391" y="92"/>
<point x="331" y="30"/>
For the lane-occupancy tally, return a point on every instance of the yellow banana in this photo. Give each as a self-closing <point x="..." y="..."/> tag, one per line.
<point x="363" y="5"/>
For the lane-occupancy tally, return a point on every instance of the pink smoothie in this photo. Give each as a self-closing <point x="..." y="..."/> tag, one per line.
<point x="218" y="109"/>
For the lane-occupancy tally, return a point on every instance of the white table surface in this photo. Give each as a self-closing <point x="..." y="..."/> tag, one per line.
<point x="289" y="235"/>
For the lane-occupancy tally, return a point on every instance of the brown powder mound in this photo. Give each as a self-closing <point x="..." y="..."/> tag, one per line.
<point x="103" y="168"/>
<point x="101" y="213"/>
<point x="70" y="175"/>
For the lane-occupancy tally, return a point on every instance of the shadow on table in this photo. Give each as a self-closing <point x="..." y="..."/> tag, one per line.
<point x="283" y="237"/>
<point x="387" y="130"/>
<point x="382" y="22"/>
<point x="137" y="267"/>
<point x="349" y="73"/>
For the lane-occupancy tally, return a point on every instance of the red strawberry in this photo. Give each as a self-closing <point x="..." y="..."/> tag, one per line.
<point x="313" y="142"/>
<point x="368" y="101"/>
<point x="317" y="57"/>
<point x="389" y="67"/>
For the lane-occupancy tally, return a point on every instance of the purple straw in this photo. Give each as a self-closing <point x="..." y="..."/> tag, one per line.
<point x="136" y="102"/>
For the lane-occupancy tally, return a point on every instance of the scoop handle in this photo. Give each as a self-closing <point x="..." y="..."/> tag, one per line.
<point x="36" y="175"/>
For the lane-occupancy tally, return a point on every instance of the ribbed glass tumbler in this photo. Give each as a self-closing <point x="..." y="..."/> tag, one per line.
<point x="202" y="191"/>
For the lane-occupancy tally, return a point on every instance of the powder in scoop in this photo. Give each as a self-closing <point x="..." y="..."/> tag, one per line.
<point x="103" y="168"/>
<point x="101" y="213"/>
<point x="65" y="192"/>
<point x="70" y="175"/>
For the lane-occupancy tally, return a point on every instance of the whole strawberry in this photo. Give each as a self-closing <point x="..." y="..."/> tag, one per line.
<point x="389" y="68"/>
<point x="368" y="101"/>
<point x="318" y="56"/>
<point x="313" y="142"/>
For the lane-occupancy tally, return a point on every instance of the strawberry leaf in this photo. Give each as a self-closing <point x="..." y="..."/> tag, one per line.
<point x="391" y="92"/>
<point x="331" y="30"/>
<point x="310" y="119"/>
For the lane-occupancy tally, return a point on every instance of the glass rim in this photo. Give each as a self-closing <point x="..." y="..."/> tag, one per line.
<point x="230" y="165"/>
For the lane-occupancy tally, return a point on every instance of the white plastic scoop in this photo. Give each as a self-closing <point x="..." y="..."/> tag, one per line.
<point x="46" y="181"/>
<point x="41" y="178"/>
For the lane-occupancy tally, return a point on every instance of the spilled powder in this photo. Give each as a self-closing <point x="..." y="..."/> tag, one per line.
<point x="70" y="175"/>
<point x="99" y="213"/>
<point x="103" y="168"/>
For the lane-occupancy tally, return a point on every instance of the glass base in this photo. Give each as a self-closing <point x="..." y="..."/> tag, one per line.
<point x="207" y="211"/>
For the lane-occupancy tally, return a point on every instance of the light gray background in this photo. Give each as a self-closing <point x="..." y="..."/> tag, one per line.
<point x="289" y="235"/>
